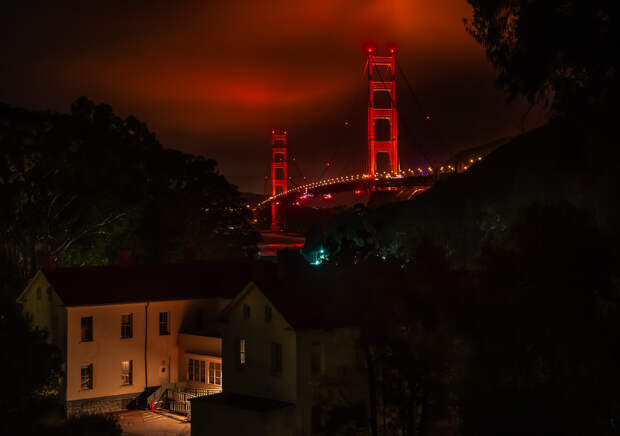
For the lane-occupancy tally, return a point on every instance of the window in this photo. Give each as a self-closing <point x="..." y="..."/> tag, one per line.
<point x="276" y="357"/>
<point x="246" y="311"/>
<point x="87" y="328"/>
<point x="279" y="174"/>
<point x="126" y="372"/>
<point x="242" y="352"/>
<point x="267" y="313"/>
<point x="38" y="293"/>
<point x="86" y="377"/>
<point x="215" y="373"/>
<point x="315" y="358"/>
<point x="196" y="370"/>
<point x="164" y="327"/>
<point x="278" y="157"/>
<point x="127" y="326"/>
<point x="279" y="189"/>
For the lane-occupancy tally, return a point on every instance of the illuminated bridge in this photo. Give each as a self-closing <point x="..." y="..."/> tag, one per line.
<point x="382" y="143"/>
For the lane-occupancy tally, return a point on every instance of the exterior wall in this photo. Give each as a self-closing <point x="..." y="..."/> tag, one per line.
<point x="341" y="379"/>
<point x="46" y="310"/>
<point x="107" y="349"/>
<point x="216" y="420"/>
<point x="256" y="377"/>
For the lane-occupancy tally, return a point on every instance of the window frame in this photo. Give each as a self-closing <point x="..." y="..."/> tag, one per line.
<point x="268" y="313"/>
<point x="247" y="312"/>
<point x="166" y="323"/>
<point x="242" y="349"/>
<point x="276" y="358"/>
<point x="215" y="373"/>
<point x="127" y="373"/>
<point x="90" y="328"/>
<point x="88" y="377"/>
<point x="127" y="328"/>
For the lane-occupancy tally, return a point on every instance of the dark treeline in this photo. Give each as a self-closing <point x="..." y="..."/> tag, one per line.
<point x="490" y="304"/>
<point x="78" y="189"/>
<point x="81" y="186"/>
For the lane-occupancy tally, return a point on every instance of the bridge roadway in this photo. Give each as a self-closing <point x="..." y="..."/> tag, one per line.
<point x="351" y="184"/>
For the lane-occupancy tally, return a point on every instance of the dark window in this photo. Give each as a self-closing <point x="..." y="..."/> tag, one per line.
<point x="87" y="328"/>
<point x="86" y="377"/>
<point x="126" y="372"/>
<point x="38" y="293"/>
<point x="268" y="311"/>
<point x="315" y="358"/>
<point x="277" y="142"/>
<point x="190" y="369"/>
<point x="127" y="326"/>
<point x="279" y="174"/>
<point x="246" y="311"/>
<point x="276" y="357"/>
<point x="164" y="323"/>
<point x="279" y="189"/>
<point x="278" y="157"/>
<point x="202" y="371"/>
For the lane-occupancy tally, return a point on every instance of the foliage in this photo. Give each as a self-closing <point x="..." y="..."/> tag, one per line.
<point x="32" y="369"/>
<point x="81" y="186"/>
<point x="556" y="51"/>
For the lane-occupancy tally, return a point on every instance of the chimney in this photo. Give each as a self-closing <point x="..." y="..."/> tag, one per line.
<point x="123" y="257"/>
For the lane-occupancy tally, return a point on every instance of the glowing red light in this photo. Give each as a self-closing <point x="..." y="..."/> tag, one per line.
<point x="273" y="132"/>
<point x="328" y="164"/>
<point x="358" y="192"/>
<point x="369" y="49"/>
<point x="327" y="196"/>
<point x="392" y="50"/>
<point x="277" y="203"/>
<point x="428" y="117"/>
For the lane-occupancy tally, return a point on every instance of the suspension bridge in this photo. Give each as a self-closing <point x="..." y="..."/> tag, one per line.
<point x="383" y="170"/>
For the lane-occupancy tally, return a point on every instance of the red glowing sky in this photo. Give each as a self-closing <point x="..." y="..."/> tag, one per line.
<point x="214" y="77"/>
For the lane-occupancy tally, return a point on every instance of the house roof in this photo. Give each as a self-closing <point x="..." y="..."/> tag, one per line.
<point x="306" y="298"/>
<point x="85" y="286"/>
<point x="239" y="401"/>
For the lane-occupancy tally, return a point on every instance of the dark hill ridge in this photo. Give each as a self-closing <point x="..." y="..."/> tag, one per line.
<point x="555" y="164"/>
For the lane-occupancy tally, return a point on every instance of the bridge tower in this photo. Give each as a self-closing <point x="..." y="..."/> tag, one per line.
<point x="382" y="80"/>
<point x="279" y="171"/>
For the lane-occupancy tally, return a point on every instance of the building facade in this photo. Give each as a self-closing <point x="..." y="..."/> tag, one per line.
<point x="123" y="331"/>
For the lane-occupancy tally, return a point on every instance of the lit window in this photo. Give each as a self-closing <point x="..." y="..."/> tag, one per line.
<point x="246" y="311"/>
<point x="276" y="357"/>
<point x="267" y="313"/>
<point x="242" y="352"/>
<point x="196" y="370"/>
<point x="215" y="373"/>
<point x="86" y="377"/>
<point x="87" y="328"/>
<point x="126" y="372"/>
<point x="126" y="326"/>
<point x="164" y="328"/>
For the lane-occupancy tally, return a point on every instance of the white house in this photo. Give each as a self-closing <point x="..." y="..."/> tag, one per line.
<point x="287" y="364"/>
<point x="122" y="330"/>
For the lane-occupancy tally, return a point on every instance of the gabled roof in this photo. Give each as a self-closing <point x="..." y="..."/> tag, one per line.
<point x="85" y="286"/>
